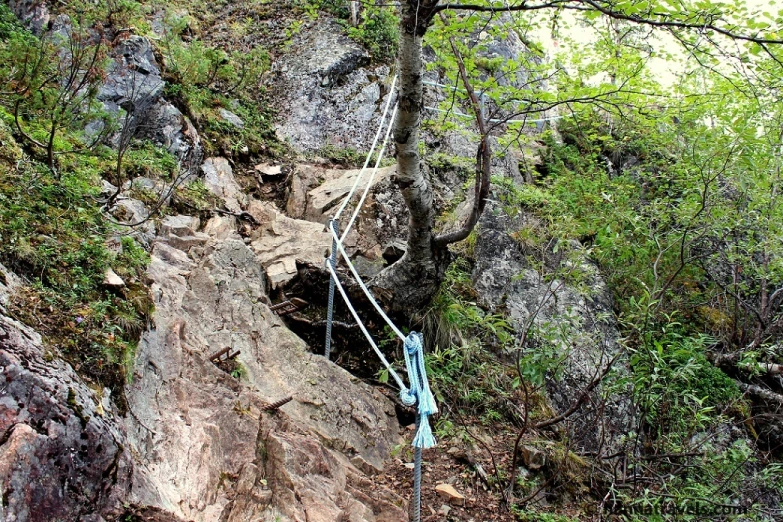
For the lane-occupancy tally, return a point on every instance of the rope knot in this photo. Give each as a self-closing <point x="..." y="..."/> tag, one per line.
<point x="420" y="389"/>
<point x="407" y="397"/>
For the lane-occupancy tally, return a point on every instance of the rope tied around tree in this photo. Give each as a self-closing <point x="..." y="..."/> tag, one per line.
<point x="419" y="393"/>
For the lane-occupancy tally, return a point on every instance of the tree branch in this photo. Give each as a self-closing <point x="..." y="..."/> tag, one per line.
<point x="701" y="24"/>
<point x="483" y="159"/>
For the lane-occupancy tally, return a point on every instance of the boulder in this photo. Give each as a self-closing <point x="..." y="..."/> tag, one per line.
<point x="317" y="191"/>
<point x="219" y="180"/>
<point x="533" y="457"/>
<point x="280" y="242"/>
<point x="209" y="450"/>
<point x="451" y="495"/>
<point x="231" y="118"/>
<point x="264" y="169"/>
<point x="111" y="279"/>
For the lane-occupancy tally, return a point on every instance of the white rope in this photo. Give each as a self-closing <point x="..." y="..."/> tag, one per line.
<point x="364" y="288"/>
<point x="358" y="320"/>
<point x="419" y="394"/>
<point x="372" y="177"/>
<point x="372" y="149"/>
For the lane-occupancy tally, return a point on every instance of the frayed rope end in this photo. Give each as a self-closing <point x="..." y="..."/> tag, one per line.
<point x="424" y="438"/>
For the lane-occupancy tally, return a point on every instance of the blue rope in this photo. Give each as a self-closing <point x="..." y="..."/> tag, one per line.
<point x="420" y="389"/>
<point x="330" y="309"/>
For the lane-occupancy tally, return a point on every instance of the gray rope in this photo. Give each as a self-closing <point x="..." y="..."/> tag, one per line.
<point x="330" y="308"/>
<point x="417" y="478"/>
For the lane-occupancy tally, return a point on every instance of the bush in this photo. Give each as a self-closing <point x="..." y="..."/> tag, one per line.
<point x="53" y="234"/>
<point x="204" y="79"/>
<point x="378" y="31"/>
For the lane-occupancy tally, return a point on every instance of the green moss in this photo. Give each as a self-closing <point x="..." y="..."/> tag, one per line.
<point x="76" y="407"/>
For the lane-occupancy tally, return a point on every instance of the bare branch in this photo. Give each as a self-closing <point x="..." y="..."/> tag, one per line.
<point x="705" y="22"/>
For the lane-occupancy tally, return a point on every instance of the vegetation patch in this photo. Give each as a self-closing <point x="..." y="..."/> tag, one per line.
<point x="53" y="234"/>
<point x="52" y="230"/>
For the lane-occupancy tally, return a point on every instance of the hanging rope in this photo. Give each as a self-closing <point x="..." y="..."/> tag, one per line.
<point x="333" y="225"/>
<point x="405" y="394"/>
<point x="419" y="393"/>
<point x="420" y="388"/>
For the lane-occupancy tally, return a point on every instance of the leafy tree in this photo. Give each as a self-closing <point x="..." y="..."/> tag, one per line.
<point x="53" y="84"/>
<point x="703" y="29"/>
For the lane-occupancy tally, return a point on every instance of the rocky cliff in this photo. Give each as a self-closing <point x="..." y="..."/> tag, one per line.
<point x="228" y="413"/>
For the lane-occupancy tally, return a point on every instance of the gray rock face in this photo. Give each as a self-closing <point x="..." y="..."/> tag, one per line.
<point x="202" y="443"/>
<point x="33" y="13"/>
<point x="571" y="322"/>
<point x="219" y="179"/>
<point x="325" y="95"/>
<point x="133" y="82"/>
<point x="175" y="132"/>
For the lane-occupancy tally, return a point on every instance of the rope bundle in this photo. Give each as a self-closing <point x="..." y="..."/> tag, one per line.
<point x="420" y="390"/>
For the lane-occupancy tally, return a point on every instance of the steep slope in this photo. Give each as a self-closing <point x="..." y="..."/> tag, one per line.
<point x="209" y="447"/>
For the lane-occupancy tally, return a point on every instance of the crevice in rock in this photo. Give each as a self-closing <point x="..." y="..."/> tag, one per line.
<point x="350" y="348"/>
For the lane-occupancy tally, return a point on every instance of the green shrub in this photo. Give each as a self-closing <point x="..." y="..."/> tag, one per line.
<point x="676" y="386"/>
<point x="53" y="234"/>
<point x="378" y="31"/>
<point x="51" y="93"/>
<point x="9" y="24"/>
<point x="203" y="80"/>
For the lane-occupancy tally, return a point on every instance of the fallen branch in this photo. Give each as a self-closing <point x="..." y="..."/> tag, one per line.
<point x="732" y="362"/>
<point x="761" y="393"/>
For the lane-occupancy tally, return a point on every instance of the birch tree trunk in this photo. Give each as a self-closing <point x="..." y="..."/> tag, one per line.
<point x="411" y="282"/>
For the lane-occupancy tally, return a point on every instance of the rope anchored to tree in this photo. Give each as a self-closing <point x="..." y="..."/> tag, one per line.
<point x="419" y="393"/>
